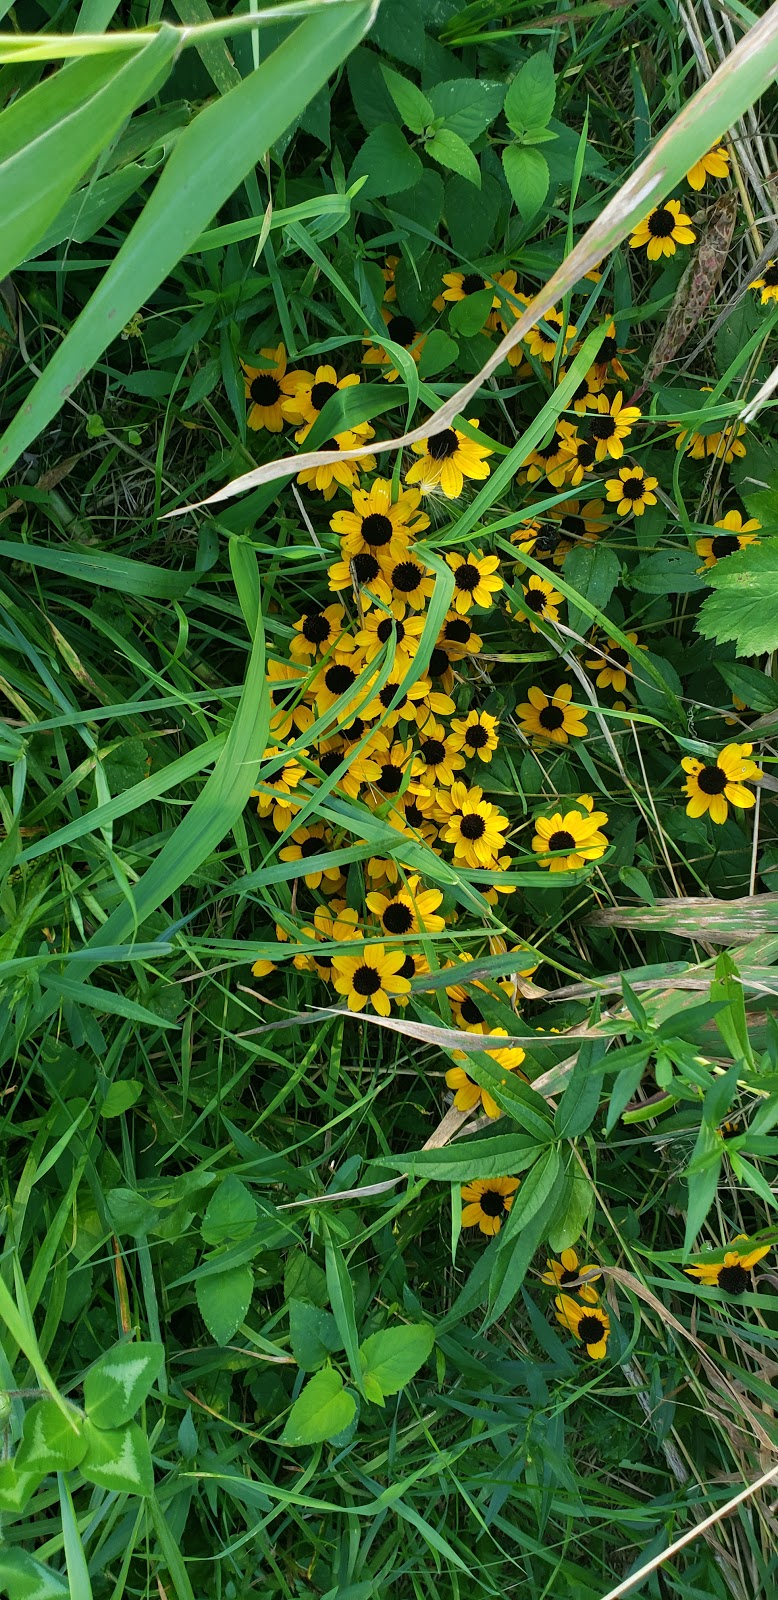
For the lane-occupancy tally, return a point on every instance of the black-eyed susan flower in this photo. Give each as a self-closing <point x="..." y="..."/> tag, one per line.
<point x="334" y="684"/>
<point x="476" y="735"/>
<point x="308" y="392"/>
<point x="713" y="165"/>
<point x="608" y="356"/>
<point x="409" y="581"/>
<point x="476" y="833"/>
<point x="725" y="444"/>
<point x="475" y="579"/>
<point x="768" y="283"/>
<point x="337" y="921"/>
<point x="590" y="1325"/>
<point x="555" y="718"/>
<point x="585" y="397"/>
<point x="713" y="788"/>
<point x="306" y="843"/>
<point x="378" y="525"/>
<point x="291" y="689"/>
<point x="394" y="760"/>
<point x="458" y="637"/>
<point x="359" y="768"/>
<point x="391" y="263"/>
<point x="612" y="665"/>
<point x="370" y="978"/>
<point x="633" y="491"/>
<point x="277" y="798"/>
<point x="467" y="1093"/>
<point x="362" y="571"/>
<point x="736" y="535"/>
<point x="542" y="600"/>
<point x="409" y="910"/>
<point x="437" y="761"/>
<point x="267" y="387"/>
<point x="660" y="233"/>
<point x="447" y="458"/>
<point x="317" y="630"/>
<point x="546" y="338"/>
<point x="577" y="522"/>
<point x="336" y="472"/>
<point x="460" y="285"/>
<point x="581" y="453"/>
<point x="611" y="424"/>
<point x="562" y="1274"/>
<point x="401" y="330"/>
<point x="733" y="1274"/>
<point x="487" y="1202"/>
<point x="393" y="629"/>
<point x="418" y="701"/>
<point x="569" y="840"/>
<point x="549" y="460"/>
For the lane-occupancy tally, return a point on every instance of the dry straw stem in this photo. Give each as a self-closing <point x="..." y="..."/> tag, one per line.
<point x="697" y="917"/>
<point x="734" y="86"/>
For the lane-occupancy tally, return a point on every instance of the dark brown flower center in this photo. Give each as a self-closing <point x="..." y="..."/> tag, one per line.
<point x="733" y="1280"/>
<point x="568" y="1276"/>
<point x="471" y="1012"/>
<point x="608" y="349"/>
<point x="585" y="452"/>
<point x="591" y="1329"/>
<point x="770" y="275"/>
<point x="661" y="223"/>
<point x="602" y="427"/>
<point x="408" y="968"/>
<point x="439" y="662"/>
<point x="366" y="567"/>
<point x="414" y="815"/>
<point x="376" y="529"/>
<point x="391" y="778"/>
<point x="724" y="544"/>
<point x="311" y="847"/>
<point x="316" y="627"/>
<point x="366" y="980"/>
<point x="443" y="445"/>
<point x="619" y="656"/>
<point x="536" y="599"/>
<point x="433" y="751"/>
<point x="472" y="826"/>
<point x="321" y="393"/>
<point x="386" y="627"/>
<point x="476" y="736"/>
<point x="339" y="677"/>
<point x="561" y="840"/>
<point x="397" y="918"/>
<point x="265" y="389"/>
<point x="551" y="718"/>
<point x="458" y="629"/>
<point x="712" y="780"/>
<point x="407" y="576"/>
<point x="467" y="577"/>
<point x="330" y="761"/>
<point x="492" y="1204"/>
<point x="401" y="330"/>
<point x="546" y="451"/>
<point x="353" y="733"/>
<point x="472" y="283"/>
<point x="632" y="489"/>
<point x="574" y="527"/>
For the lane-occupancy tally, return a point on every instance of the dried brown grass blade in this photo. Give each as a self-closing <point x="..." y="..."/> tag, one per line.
<point x="697" y="917"/>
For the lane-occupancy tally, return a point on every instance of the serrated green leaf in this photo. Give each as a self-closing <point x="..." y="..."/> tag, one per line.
<point x="594" y="571"/>
<point x="223" y="1298"/>
<point x="469" y="1158"/>
<point x="387" y="161"/>
<point x="321" y="1412"/>
<point x="744" y="606"/>
<point x="116" y="1387"/>
<point x="529" y="102"/>
<point x="451" y="151"/>
<point x="313" y="1335"/>
<point x="231" y="1213"/>
<point x="754" y="688"/>
<point x="118" y="1459"/>
<point x="571" y="1212"/>
<point x="392" y="1358"/>
<point x="528" y="178"/>
<point x="49" y="1443"/>
<point x="413" y="106"/>
<point x="467" y="105"/>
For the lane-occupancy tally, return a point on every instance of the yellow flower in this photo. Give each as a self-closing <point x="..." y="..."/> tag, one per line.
<point x="475" y="735"/>
<point x="573" y="838"/>
<point x="768" y="283"/>
<point x="468" y="1093"/>
<point x="590" y="1325"/>
<point x="447" y="458"/>
<point x="475" y="579"/>
<point x="608" y="356"/>
<point x="308" y="394"/>
<point x="476" y="833"/>
<point x="418" y="701"/>
<point x="713" y="165"/>
<point x="580" y="454"/>
<point x="737" y="535"/>
<point x="555" y="719"/>
<point x="437" y="761"/>
<point x="546" y="337"/>
<point x="309" y="842"/>
<point x="372" y="976"/>
<point x="266" y="388"/>
<point x="633" y="491"/>
<point x="359" y="571"/>
<point x="542" y="599"/>
<point x="612" y="665"/>
<point x="460" y="285"/>
<point x="391" y="263"/>
<point x="458" y="637"/>
<point x="725" y="443"/>
<point x="662" y="230"/>
<point x="487" y="1203"/>
<point x="377" y="525"/>
<point x="400" y="330"/>
<point x="275" y="798"/>
<point x="611" y="425"/>
<point x="394" y="630"/>
<point x="734" y="1272"/>
<point x="411" y="582"/>
<point x="585" y="396"/>
<point x="562" y="1273"/>
<point x="410" y="910"/>
<point x="290" y="690"/>
<point x="331" y="474"/>
<point x="335" y="921"/>
<point x="317" y="630"/>
<point x="715" y="788"/>
<point x="335" y="681"/>
<point x="549" y="460"/>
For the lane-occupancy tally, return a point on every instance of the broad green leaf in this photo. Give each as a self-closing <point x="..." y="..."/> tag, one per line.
<point x="451" y="151"/>
<point x="391" y="1358"/>
<point x="121" y="1097"/>
<point x="322" y="1411"/>
<point x="52" y="134"/>
<point x="223" y="1299"/>
<point x="468" y="1158"/>
<point x="231" y="1213"/>
<point x="24" y="1578"/>
<point x="439" y="352"/>
<point x="313" y="1335"/>
<point x="757" y="691"/>
<point x="413" y="106"/>
<point x="702" y="1181"/>
<point x="468" y="316"/>
<point x="571" y="1211"/>
<point x="529" y="101"/>
<point x="104" y="570"/>
<point x="116" y="1386"/>
<point x="118" y="1459"/>
<point x="49" y="1442"/>
<point x="743" y="608"/>
<point x="668" y="572"/>
<point x="514" y="1257"/>
<point x="579" y="1104"/>
<point x="17" y="1485"/>
<point x="528" y="178"/>
<point x="387" y="161"/>
<point x="593" y="570"/>
<point x="467" y="105"/>
<point x="210" y="158"/>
